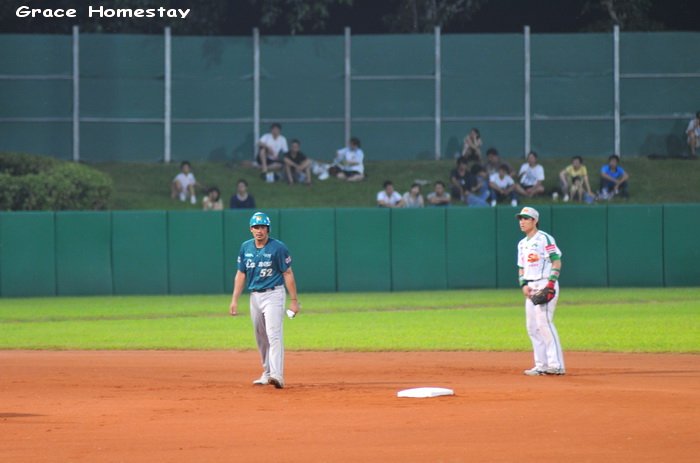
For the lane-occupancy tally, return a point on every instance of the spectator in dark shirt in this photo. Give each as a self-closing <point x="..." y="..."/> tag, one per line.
<point x="296" y="165"/>
<point x="494" y="162"/>
<point x="477" y="188"/>
<point x="242" y="199"/>
<point x="458" y="180"/>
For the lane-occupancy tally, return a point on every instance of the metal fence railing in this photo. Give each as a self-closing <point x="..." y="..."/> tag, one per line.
<point x="609" y="114"/>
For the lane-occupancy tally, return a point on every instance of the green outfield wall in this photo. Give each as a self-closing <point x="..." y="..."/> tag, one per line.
<point x="193" y="252"/>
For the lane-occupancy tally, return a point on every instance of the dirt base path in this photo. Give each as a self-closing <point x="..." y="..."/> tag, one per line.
<point x="201" y="407"/>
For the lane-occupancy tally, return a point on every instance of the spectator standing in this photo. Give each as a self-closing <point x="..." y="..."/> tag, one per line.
<point x="388" y="197"/>
<point x="458" y="180"/>
<point x="693" y="133"/>
<point x="413" y="198"/>
<point x="212" y="201"/>
<point x="349" y="162"/>
<point x="241" y="199"/>
<point x="439" y="197"/>
<point x="531" y="177"/>
<point x="184" y="183"/>
<point x="574" y="181"/>
<point x="613" y="179"/>
<point x="493" y="162"/>
<point x="502" y="187"/>
<point x="471" y="149"/>
<point x="296" y="165"/>
<point x="272" y="147"/>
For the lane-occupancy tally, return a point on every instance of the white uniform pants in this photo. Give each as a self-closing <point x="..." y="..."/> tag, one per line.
<point x="267" y="313"/>
<point x="541" y="329"/>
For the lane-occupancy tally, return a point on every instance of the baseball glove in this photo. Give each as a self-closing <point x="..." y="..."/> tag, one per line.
<point x="543" y="295"/>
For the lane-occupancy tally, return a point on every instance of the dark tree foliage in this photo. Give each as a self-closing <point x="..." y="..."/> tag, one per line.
<point x="282" y="17"/>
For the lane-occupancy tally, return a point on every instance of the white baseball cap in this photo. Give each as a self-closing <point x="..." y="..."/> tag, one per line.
<point x="529" y="212"/>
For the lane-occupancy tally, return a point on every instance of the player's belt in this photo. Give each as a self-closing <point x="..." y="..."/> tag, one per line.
<point x="264" y="290"/>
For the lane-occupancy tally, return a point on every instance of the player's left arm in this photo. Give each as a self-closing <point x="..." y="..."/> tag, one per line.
<point x="555" y="270"/>
<point x="291" y="285"/>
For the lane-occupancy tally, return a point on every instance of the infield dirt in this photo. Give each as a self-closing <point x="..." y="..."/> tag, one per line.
<point x="189" y="406"/>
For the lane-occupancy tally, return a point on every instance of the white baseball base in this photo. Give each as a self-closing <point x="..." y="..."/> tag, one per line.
<point x="425" y="392"/>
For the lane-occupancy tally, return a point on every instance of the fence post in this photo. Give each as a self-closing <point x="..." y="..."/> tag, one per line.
<point x="438" y="94"/>
<point x="616" y="85"/>
<point x="526" y="37"/>
<point x="256" y="91"/>
<point x="167" y="110"/>
<point x="76" y="94"/>
<point x="348" y="85"/>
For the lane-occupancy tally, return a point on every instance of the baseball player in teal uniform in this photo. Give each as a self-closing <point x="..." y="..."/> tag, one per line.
<point x="266" y="265"/>
<point x="539" y="264"/>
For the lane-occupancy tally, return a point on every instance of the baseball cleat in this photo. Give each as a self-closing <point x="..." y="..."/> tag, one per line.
<point x="555" y="371"/>
<point x="278" y="383"/>
<point x="534" y="372"/>
<point x="262" y="381"/>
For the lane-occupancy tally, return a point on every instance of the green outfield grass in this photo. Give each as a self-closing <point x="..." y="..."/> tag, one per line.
<point x="614" y="320"/>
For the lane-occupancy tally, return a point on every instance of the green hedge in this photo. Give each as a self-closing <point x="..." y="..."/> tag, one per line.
<point x="30" y="183"/>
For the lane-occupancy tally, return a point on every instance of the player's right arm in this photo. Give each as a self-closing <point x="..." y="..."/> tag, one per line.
<point x="521" y="273"/>
<point x="523" y="284"/>
<point x="238" y="282"/>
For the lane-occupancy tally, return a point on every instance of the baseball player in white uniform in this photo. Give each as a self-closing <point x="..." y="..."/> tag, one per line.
<point x="539" y="264"/>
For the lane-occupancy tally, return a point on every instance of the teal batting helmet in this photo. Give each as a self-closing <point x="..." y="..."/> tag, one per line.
<point x="260" y="218"/>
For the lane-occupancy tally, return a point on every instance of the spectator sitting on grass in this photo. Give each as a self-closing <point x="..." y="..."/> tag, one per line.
<point x="349" y="162"/>
<point x="574" y="180"/>
<point x="471" y="150"/>
<point x="693" y="132"/>
<point x="493" y="162"/>
<point x="439" y="197"/>
<point x="388" y="197"/>
<point x="413" y="198"/>
<point x="502" y="187"/>
<point x="477" y="188"/>
<point x="531" y="177"/>
<point x="241" y="199"/>
<point x="271" y="148"/>
<point x="184" y="183"/>
<point x="613" y="179"/>
<point x="212" y="201"/>
<point x="296" y="165"/>
<point x="458" y="180"/>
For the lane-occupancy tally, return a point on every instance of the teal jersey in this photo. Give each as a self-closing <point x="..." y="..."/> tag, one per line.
<point x="264" y="267"/>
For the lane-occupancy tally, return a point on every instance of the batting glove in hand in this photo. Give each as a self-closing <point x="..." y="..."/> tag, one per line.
<point x="544" y="295"/>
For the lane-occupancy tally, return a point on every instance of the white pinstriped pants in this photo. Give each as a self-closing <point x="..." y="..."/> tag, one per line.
<point x="267" y="313"/>
<point x="541" y="329"/>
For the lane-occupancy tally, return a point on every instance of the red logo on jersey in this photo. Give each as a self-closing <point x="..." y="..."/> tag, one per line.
<point x="550" y="248"/>
<point x="533" y="257"/>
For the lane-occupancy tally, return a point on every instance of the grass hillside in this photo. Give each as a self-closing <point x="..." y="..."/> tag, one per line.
<point x="147" y="186"/>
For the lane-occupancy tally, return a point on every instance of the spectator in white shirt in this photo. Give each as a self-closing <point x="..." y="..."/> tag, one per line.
<point x="531" y="177"/>
<point x="389" y="197"/>
<point x="272" y="147"/>
<point x="349" y="162"/>
<point x="502" y="186"/>
<point x="184" y="183"/>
